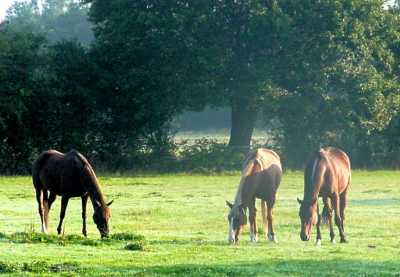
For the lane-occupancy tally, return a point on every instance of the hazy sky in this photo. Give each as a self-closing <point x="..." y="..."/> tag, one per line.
<point x="4" y="4"/>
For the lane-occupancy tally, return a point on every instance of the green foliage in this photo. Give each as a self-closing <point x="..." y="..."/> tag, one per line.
<point x="45" y="97"/>
<point x="137" y="245"/>
<point x="127" y="236"/>
<point x="207" y="155"/>
<point x="20" y="53"/>
<point x="343" y="83"/>
<point x="38" y="267"/>
<point x="324" y="72"/>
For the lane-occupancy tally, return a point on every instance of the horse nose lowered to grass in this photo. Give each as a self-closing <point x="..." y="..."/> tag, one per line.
<point x="68" y="175"/>
<point x="327" y="175"/>
<point x="261" y="176"/>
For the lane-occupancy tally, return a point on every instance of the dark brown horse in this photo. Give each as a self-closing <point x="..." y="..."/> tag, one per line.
<point x="261" y="176"/>
<point x="327" y="175"/>
<point x="68" y="175"/>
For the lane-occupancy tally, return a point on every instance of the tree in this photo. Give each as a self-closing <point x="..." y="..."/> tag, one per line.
<point x="141" y="55"/>
<point x="343" y="85"/>
<point x="19" y="56"/>
<point x="243" y="53"/>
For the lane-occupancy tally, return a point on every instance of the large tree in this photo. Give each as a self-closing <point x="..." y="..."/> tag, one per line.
<point x="141" y="52"/>
<point x="343" y="83"/>
<point x="243" y="53"/>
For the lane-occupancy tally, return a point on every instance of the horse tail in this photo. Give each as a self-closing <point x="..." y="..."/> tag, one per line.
<point x="37" y="167"/>
<point x="326" y="213"/>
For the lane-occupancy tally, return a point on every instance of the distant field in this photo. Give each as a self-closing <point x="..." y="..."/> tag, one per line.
<point x="219" y="135"/>
<point x="183" y="219"/>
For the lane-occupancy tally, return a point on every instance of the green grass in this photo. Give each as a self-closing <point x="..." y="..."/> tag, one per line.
<point x="176" y="225"/>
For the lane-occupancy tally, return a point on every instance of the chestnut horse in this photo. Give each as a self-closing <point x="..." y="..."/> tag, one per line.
<point x="327" y="175"/>
<point x="68" y="175"/>
<point x="261" y="176"/>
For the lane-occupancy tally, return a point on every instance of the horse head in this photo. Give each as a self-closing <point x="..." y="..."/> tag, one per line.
<point x="236" y="221"/>
<point x="101" y="216"/>
<point x="308" y="216"/>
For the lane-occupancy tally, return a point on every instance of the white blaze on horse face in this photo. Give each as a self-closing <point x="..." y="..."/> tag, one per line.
<point x="231" y="232"/>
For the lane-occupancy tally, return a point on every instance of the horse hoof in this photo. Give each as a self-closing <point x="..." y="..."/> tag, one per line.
<point x="44" y="230"/>
<point x="254" y="239"/>
<point x="343" y="241"/>
<point x="272" y="238"/>
<point x="333" y="241"/>
<point x="318" y="242"/>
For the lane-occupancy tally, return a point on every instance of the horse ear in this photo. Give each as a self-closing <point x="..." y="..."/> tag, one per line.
<point x="109" y="203"/>
<point x="300" y="201"/>
<point x="230" y="205"/>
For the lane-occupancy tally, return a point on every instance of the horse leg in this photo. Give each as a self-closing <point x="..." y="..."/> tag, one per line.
<point x="39" y="198"/>
<point x="264" y="217"/>
<point x="271" y="234"/>
<point x="84" y="202"/>
<point x="318" y="242"/>
<point x="64" y="203"/>
<point x="338" y="219"/>
<point x="328" y="214"/>
<point x="252" y="220"/>
<point x="48" y="204"/>
<point x="343" y="199"/>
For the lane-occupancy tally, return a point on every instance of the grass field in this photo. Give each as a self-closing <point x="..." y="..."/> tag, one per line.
<point x="183" y="221"/>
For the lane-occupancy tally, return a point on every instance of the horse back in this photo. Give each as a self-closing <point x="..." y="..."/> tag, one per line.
<point x="337" y="169"/>
<point x="341" y="168"/>
<point x="59" y="173"/>
<point x="261" y="175"/>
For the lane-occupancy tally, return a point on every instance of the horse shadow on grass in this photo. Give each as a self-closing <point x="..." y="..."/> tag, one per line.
<point x="306" y="267"/>
<point x="189" y="241"/>
<point x="376" y="202"/>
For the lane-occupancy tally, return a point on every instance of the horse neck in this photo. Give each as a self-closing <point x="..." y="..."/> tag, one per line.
<point x="93" y="187"/>
<point x="313" y="181"/>
<point x="243" y="193"/>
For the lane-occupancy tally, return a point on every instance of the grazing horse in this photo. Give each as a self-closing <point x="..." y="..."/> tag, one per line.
<point x="261" y="176"/>
<point x="327" y="175"/>
<point x="68" y="175"/>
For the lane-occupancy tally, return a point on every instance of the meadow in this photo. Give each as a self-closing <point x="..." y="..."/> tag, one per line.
<point x="176" y="225"/>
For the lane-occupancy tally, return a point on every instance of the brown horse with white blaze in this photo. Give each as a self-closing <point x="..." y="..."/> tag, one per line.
<point x="327" y="175"/>
<point x="68" y="175"/>
<point x="261" y="176"/>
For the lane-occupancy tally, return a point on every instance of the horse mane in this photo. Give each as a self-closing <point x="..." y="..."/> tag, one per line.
<point x="89" y="179"/>
<point x="313" y="173"/>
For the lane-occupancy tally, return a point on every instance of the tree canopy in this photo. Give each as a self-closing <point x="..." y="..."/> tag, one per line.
<point x="325" y="72"/>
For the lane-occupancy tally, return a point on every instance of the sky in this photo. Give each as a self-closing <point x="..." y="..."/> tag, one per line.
<point x="4" y="5"/>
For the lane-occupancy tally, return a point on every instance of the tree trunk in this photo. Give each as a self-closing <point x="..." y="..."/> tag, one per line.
<point x="243" y="116"/>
